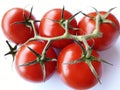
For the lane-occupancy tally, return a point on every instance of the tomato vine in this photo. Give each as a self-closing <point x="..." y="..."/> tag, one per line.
<point x="81" y="40"/>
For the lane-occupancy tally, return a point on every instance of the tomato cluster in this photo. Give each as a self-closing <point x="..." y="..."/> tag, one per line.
<point x="78" y="63"/>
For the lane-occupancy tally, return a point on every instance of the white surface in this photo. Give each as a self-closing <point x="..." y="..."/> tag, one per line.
<point x="9" y="80"/>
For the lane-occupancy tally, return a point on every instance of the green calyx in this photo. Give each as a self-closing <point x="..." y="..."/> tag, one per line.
<point x="40" y="59"/>
<point x="62" y="21"/>
<point x="27" y="20"/>
<point x="13" y="50"/>
<point x="89" y="61"/>
<point x="103" y="18"/>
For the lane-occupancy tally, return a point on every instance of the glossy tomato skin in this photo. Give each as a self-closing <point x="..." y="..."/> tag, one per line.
<point x="34" y="72"/>
<point x="110" y="32"/>
<point x="18" y="33"/>
<point x="77" y="76"/>
<point x="50" y="28"/>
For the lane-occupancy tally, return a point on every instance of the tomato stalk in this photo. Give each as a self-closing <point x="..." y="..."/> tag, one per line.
<point x="81" y="38"/>
<point x="65" y="24"/>
<point x="67" y="35"/>
<point x="88" y="49"/>
<point x="43" y="55"/>
<point x="33" y="26"/>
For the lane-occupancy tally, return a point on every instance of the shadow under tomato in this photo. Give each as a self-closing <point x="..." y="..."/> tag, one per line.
<point x="112" y="56"/>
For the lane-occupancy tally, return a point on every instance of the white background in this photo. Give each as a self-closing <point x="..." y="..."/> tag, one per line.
<point x="10" y="80"/>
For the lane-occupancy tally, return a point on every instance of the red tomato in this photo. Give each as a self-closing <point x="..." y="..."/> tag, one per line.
<point x="110" y="32"/>
<point x="78" y="75"/>
<point x="34" y="72"/>
<point x="18" y="33"/>
<point x="49" y="28"/>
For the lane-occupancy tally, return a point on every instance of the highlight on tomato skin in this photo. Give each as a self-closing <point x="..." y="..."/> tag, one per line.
<point x="34" y="72"/>
<point x="77" y="75"/>
<point x="50" y="26"/>
<point x="16" y="26"/>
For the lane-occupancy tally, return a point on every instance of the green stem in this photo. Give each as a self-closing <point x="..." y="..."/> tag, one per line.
<point x="106" y="15"/>
<point x="96" y="32"/>
<point x="88" y="48"/>
<point x="93" y="71"/>
<point x="67" y="35"/>
<point x="33" y="27"/>
<point x="45" y="49"/>
<point x="43" y="71"/>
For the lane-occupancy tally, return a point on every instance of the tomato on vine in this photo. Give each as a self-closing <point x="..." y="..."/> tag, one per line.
<point x="78" y="64"/>
<point x="16" y="25"/>
<point x="31" y="65"/>
<point x="109" y="28"/>
<point x="52" y="25"/>
<point x="77" y="72"/>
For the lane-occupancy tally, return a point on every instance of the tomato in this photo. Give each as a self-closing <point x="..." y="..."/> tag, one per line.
<point x="110" y="31"/>
<point x="77" y="75"/>
<point x="34" y="72"/>
<point x="18" y="33"/>
<point x="50" y="28"/>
